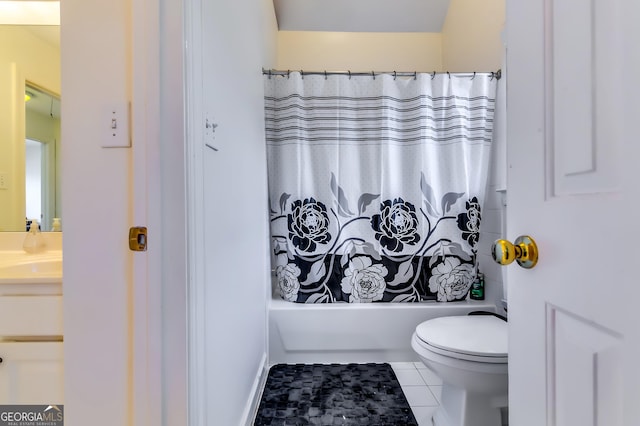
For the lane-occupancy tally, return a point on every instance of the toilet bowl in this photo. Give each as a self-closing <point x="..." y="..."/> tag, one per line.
<point x="469" y="354"/>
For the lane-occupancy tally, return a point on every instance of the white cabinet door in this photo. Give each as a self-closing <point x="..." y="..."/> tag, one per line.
<point x="31" y="373"/>
<point x="573" y="185"/>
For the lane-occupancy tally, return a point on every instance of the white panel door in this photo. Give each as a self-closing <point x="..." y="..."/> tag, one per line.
<point x="573" y="154"/>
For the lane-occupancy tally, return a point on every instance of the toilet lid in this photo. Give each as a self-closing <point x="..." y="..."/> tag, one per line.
<point x="476" y="335"/>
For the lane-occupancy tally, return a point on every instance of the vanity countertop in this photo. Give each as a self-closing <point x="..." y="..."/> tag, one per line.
<point x="22" y="272"/>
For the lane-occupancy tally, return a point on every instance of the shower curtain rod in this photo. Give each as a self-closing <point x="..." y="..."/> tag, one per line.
<point x="272" y="72"/>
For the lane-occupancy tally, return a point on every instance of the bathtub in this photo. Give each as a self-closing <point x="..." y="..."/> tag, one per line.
<point x="352" y="332"/>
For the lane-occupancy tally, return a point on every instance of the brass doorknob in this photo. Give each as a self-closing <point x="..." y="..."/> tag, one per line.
<point x="524" y="251"/>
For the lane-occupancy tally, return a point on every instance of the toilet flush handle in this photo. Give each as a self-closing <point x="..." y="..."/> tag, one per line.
<point x="524" y="251"/>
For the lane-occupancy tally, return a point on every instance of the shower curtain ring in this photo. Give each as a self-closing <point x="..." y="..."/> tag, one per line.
<point x="325" y="74"/>
<point x="349" y="74"/>
<point x="269" y="74"/>
<point x="394" y="75"/>
<point x="415" y="75"/>
<point x="433" y="75"/>
<point x="449" y="74"/>
<point x="373" y="75"/>
<point x="473" y="76"/>
<point x="302" y="74"/>
<point x="288" y="72"/>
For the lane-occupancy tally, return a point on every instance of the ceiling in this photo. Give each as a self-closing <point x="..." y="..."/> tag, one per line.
<point x="361" y="15"/>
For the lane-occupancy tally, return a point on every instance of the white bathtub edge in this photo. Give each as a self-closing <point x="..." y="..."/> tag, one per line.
<point x="376" y="332"/>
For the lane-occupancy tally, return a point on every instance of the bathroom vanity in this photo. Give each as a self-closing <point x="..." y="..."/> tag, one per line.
<point x="31" y="327"/>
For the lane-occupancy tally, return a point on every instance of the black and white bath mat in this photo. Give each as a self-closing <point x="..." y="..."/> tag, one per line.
<point x="333" y="394"/>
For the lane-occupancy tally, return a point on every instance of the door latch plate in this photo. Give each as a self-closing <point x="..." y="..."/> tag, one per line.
<point x="138" y="238"/>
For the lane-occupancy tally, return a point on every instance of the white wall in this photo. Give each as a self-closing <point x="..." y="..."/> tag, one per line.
<point x="236" y="45"/>
<point x="163" y="97"/>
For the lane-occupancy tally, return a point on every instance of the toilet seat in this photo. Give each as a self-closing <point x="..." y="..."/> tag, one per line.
<point x="479" y="338"/>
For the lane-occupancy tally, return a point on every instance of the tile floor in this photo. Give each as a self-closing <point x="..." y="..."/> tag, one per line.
<point x="421" y="387"/>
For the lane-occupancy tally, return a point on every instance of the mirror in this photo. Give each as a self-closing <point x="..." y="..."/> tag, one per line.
<point x="29" y="129"/>
<point x="42" y="133"/>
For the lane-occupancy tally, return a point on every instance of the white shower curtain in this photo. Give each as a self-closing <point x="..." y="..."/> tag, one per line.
<point x="376" y="184"/>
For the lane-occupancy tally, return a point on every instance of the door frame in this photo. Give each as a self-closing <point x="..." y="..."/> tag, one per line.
<point x="194" y="135"/>
<point x="168" y="345"/>
<point x="146" y="292"/>
<point x="159" y="350"/>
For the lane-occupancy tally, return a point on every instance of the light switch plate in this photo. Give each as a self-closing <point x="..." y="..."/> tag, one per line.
<point x="115" y="124"/>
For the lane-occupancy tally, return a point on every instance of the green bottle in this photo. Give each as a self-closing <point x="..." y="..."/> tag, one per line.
<point x="477" y="288"/>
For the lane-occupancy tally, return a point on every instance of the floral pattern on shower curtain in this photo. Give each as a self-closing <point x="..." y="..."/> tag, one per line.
<point x="376" y="184"/>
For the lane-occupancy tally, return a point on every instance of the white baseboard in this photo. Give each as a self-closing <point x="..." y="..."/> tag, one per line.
<point x="256" y="393"/>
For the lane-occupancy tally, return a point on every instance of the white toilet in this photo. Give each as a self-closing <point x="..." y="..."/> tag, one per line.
<point x="469" y="354"/>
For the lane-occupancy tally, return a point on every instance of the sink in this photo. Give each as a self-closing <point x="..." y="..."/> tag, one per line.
<point x="19" y="267"/>
<point x="42" y="268"/>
